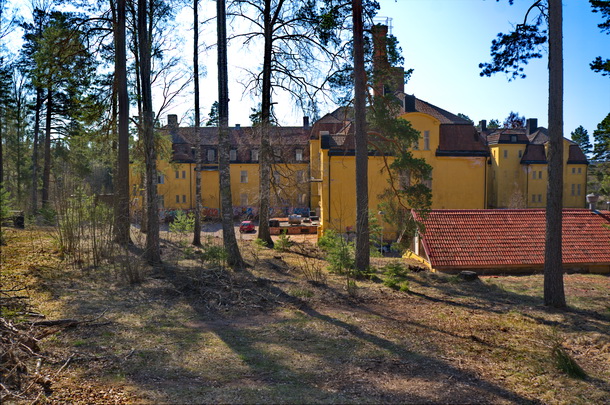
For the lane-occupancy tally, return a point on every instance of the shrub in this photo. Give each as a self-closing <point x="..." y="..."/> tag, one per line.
<point x="283" y="243"/>
<point x="183" y="223"/>
<point x="396" y="276"/>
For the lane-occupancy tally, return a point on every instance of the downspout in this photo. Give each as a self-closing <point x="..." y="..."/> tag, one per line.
<point x="485" y="185"/>
<point x="527" y="186"/>
<point x="191" y="185"/>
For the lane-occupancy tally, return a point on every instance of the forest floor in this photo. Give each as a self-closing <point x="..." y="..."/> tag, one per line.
<point x="189" y="333"/>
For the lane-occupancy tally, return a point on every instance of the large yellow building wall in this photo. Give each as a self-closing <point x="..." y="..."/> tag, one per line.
<point x="509" y="175"/>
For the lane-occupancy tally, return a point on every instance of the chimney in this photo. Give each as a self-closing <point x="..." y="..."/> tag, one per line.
<point x="410" y="103"/>
<point x="237" y="126"/>
<point x="592" y="200"/>
<point x="381" y="66"/>
<point x="483" y="125"/>
<point x="305" y="122"/>
<point x="172" y="120"/>
<point x="531" y="126"/>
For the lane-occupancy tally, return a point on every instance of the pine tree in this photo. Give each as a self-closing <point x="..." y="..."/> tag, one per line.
<point x="581" y="137"/>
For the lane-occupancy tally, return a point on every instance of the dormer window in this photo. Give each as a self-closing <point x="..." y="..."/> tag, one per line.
<point x="211" y="155"/>
<point x="513" y="138"/>
<point x="233" y="155"/>
<point x="254" y="155"/>
<point x="298" y="155"/>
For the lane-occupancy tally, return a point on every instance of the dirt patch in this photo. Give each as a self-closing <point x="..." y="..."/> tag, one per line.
<point x="193" y="333"/>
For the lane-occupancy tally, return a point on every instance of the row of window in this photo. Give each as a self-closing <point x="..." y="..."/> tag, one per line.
<point x="520" y="153"/>
<point x="243" y="178"/>
<point x="576" y="189"/>
<point x="579" y="171"/>
<point x="301" y="199"/>
<point x="254" y="155"/>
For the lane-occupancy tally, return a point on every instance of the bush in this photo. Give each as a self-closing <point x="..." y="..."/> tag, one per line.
<point x="396" y="276"/>
<point x="283" y="243"/>
<point x="4" y="210"/>
<point x="183" y="223"/>
<point x="340" y="253"/>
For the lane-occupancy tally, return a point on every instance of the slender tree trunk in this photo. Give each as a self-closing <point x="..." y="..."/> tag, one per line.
<point x="122" y="225"/>
<point x="35" y="142"/>
<point x="2" y="120"/>
<point x="361" y="139"/>
<point x="198" y="204"/>
<point x="265" y="148"/>
<point x="153" y="253"/>
<point x="553" y="270"/>
<point x="228" y="231"/>
<point x="46" y="172"/>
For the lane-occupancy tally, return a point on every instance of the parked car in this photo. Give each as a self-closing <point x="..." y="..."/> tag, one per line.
<point x="246" y="227"/>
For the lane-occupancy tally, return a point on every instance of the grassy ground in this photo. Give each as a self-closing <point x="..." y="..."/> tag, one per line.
<point x="193" y="333"/>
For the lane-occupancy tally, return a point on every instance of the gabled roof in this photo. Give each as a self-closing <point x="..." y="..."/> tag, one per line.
<point x="496" y="239"/>
<point x="444" y="116"/>
<point x="534" y="154"/>
<point x="576" y="155"/>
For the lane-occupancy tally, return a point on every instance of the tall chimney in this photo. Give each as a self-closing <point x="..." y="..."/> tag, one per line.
<point x="172" y="120"/>
<point x="410" y="103"/>
<point x="381" y="66"/>
<point x="483" y="125"/>
<point x="531" y="126"/>
<point x="305" y="122"/>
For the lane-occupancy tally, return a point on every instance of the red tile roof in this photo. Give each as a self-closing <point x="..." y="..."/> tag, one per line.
<point x="511" y="238"/>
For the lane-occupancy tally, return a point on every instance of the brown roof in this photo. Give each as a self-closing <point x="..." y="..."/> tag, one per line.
<point x="460" y="139"/>
<point x="444" y="116"/>
<point x="534" y="154"/>
<point x="496" y="239"/>
<point x="244" y="139"/>
<point x="576" y="155"/>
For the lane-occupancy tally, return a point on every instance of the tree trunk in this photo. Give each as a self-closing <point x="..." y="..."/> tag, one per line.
<point x="38" y="107"/>
<point x="553" y="271"/>
<point x="361" y="140"/>
<point x="198" y="204"/>
<point x="122" y="224"/>
<point x="265" y="148"/>
<point x="228" y="231"/>
<point x="153" y="253"/>
<point x="46" y="172"/>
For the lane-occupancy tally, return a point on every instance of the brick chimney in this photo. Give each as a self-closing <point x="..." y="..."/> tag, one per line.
<point x="172" y="120"/>
<point x="306" y="122"/>
<point x="531" y="126"/>
<point x="483" y="125"/>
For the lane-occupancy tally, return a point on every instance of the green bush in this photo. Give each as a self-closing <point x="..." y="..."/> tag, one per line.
<point x="183" y="223"/>
<point x="283" y="243"/>
<point x="340" y="253"/>
<point x="4" y="211"/>
<point x="396" y="276"/>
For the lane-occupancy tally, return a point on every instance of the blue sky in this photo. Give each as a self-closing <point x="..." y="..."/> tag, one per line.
<point x="445" y="40"/>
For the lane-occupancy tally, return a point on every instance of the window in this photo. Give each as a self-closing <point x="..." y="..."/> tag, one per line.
<point x="426" y="140"/>
<point x="244" y="199"/>
<point x="161" y="201"/>
<point x="573" y="189"/>
<point x="177" y="174"/>
<point x="533" y="198"/>
<point x="520" y="153"/>
<point x="534" y="175"/>
<point x="298" y="155"/>
<point x="184" y="174"/>
<point x="539" y="174"/>
<point x="233" y="154"/>
<point x="513" y="138"/>
<point x="573" y="170"/>
<point x="300" y="176"/>
<point x="505" y="154"/>
<point x="578" y="189"/>
<point x="254" y="155"/>
<point x="177" y="198"/>
<point x="301" y="199"/>
<point x="211" y="155"/>
<point x="244" y="176"/>
<point x="184" y="198"/>
<point x="539" y="198"/>
<point x="579" y="170"/>
<point x="160" y="178"/>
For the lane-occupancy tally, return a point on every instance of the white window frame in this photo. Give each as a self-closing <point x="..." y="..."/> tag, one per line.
<point x="233" y="155"/>
<point x="243" y="176"/>
<point x="298" y="154"/>
<point x="426" y="140"/>
<point x="211" y="155"/>
<point x="160" y="178"/>
<point x="254" y="155"/>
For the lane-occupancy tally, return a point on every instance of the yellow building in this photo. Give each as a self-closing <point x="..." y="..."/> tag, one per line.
<point x="176" y="179"/>
<point x="519" y="168"/>
<point x="448" y="143"/>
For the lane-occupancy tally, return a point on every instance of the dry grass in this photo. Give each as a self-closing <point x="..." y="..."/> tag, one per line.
<point x="190" y="334"/>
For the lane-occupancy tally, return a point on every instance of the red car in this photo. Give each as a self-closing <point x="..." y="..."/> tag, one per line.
<point x="247" y="226"/>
